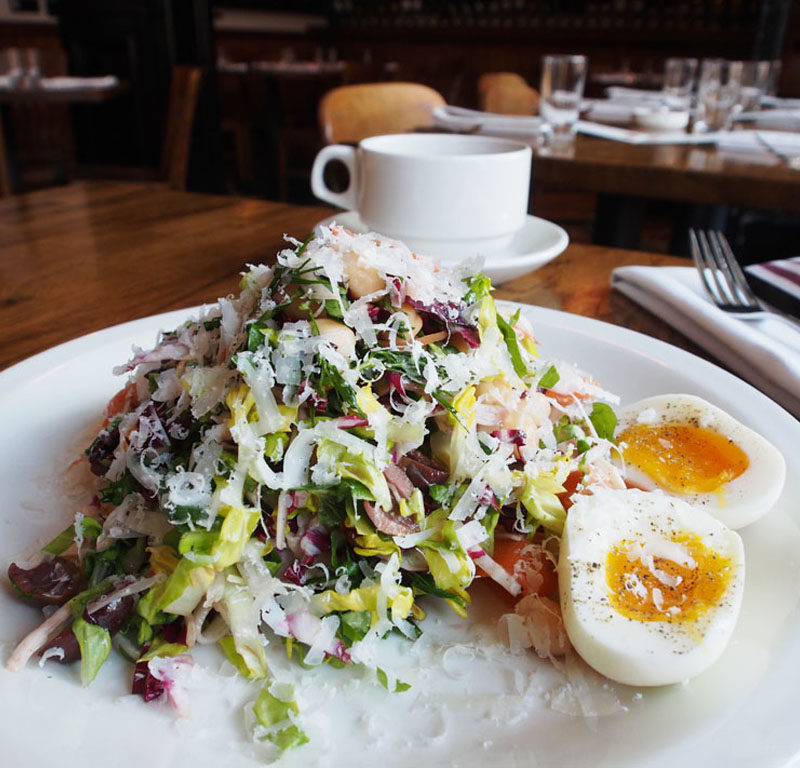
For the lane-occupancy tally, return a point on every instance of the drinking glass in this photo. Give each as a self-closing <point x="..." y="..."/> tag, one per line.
<point x="560" y="95"/>
<point x="31" y="67"/>
<point x="755" y="79"/>
<point x="717" y="94"/>
<point x="679" y="80"/>
<point x="11" y="66"/>
<point x="773" y="78"/>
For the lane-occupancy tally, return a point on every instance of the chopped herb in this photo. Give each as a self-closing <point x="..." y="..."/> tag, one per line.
<point x="423" y="582"/>
<point x="442" y="494"/>
<point x="510" y="337"/>
<point x="479" y="286"/>
<point x="354" y="625"/>
<point x="549" y="378"/>
<point x="90" y="528"/>
<point x="604" y="420"/>
<point x="115" y="491"/>
<point x="383" y="679"/>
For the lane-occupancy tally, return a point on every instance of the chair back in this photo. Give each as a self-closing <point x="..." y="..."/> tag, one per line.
<point x="353" y="112"/>
<point x="507" y="93"/>
<point x="183" y="95"/>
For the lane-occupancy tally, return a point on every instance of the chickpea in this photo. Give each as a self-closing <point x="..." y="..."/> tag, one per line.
<point x="413" y="317"/>
<point x="338" y="334"/>
<point x="460" y="343"/>
<point x="294" y="311"/>
<point x="492" y="387"/>
<point x="511" y="409"/>
<point x="362" y="279"/>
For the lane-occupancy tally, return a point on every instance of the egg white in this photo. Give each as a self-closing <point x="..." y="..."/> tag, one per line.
<point x="629" y="651"/>
<point x="744" y="499"/>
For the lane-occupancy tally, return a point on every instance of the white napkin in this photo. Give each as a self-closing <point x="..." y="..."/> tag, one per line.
<point x="766" y="352"/>
<point x="636" y="96"/>
<point x="780" y="119"/>
<point x="491" y="123"/>
<point x="776" y="101"/>
<point x="629" y="136"/>
<point x="75" y="83"/>
<point x="610" y="111"/>
<point x="782" y="143"/>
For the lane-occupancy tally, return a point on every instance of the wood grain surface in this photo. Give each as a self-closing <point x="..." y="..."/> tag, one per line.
<point x="685" y="173"/>
<point x="83" y="257"/>
<point x="88" y="94"/>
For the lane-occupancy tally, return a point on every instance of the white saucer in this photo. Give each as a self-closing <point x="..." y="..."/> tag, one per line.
<point x="538" y="242"/>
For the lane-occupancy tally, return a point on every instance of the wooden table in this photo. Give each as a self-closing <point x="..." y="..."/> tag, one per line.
<point x="80" y="94"/>
<point x="89" y="255"/>
<point x="625" y="175"/>
<point x="685" y="173"/>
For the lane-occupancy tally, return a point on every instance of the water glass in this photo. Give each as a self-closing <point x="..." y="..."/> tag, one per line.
<point x="773" y="78"/>
<point x="679" y="80"/>
<point x="11" y="66"/>
<point x="31" y="67"/>
<point x="755" y="79"/>
<point x="717" y="94"/>
<point x="560" y="95"/>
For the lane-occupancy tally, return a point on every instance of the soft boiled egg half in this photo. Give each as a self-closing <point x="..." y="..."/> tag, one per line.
<point x="650" y="587"/>
<point x="691" y="449"/>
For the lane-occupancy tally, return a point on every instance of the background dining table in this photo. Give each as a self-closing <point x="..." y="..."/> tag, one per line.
<point x="75" y="92"/>
<point x="624" y="176"/>
<point x="82" y="257"/>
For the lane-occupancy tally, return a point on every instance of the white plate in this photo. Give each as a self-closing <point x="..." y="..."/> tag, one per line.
<point x="489" y="123"/>
<point x="538" y="242"/>
<point x="470" y="703"/>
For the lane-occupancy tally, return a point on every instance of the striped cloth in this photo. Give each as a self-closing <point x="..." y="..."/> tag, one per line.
<point x="778" y="282"/>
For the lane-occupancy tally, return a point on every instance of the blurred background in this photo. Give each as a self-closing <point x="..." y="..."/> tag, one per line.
<point x="264" y="66"/>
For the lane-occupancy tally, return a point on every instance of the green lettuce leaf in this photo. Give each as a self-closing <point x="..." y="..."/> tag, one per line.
<point x="273" y="714"/>
<point x="510" y="338"/>
<point x="549" y="378"/>
<point x="540" y="499"/>
<point x="241" y="614"/>
<point x="95" y="645"/>
<point x="355" y="467"/>
<point x="179" y="594"/>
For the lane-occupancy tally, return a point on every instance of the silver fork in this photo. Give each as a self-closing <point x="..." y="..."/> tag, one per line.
<point x="724" y="279"/>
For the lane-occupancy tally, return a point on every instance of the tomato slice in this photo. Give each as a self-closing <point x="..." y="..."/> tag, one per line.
<point x="570" y="485"/>
<point x="122" y="401"/>
<point x="529" y="563"/>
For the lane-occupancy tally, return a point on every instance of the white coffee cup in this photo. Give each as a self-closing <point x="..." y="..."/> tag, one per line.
<point x="445" y="195"/>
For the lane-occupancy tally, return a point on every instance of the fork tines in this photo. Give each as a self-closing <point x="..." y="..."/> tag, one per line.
<point x="722" y="276"/>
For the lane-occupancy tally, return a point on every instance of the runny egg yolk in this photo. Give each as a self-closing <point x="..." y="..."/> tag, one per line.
<point x="675" y="581"/>
<point x="683" y="458"/>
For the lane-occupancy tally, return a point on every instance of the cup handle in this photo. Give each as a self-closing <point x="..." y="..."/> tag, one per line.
<point x="346" y="155"/>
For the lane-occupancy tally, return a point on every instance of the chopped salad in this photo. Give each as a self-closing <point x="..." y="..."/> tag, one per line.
<point x="358" y="433"/>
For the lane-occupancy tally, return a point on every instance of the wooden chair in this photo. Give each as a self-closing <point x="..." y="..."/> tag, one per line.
<point x="177" y="142"/>
<point x="183" y="95"/>
<point x="353" y="112"/>
<point x="507" y="93"/>
<point x="6" y="187"/>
